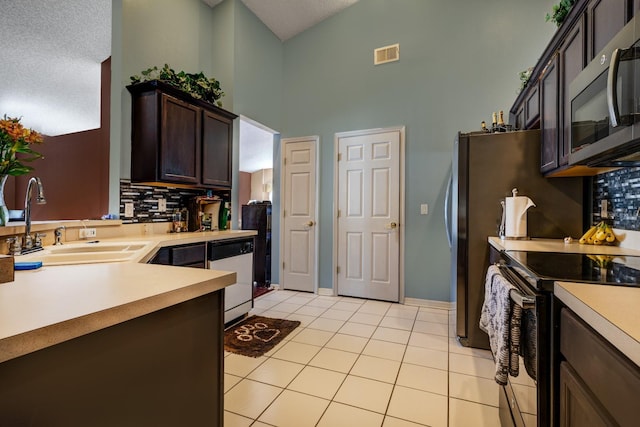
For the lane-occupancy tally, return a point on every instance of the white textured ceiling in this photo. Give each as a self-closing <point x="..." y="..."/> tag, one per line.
<point x="286" y="18"/>
<point x="50" y="62"/>
<point x="50" y="54"/>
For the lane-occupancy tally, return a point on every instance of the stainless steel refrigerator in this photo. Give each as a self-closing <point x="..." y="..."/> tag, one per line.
<point x="486" y="167"/>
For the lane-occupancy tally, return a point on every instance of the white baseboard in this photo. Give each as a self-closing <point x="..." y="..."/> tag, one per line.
<point x="443" y="305"/>
<point x="327" y="292"/>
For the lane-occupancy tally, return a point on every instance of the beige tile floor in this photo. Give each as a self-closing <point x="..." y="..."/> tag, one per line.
<point x="355" y="362"/>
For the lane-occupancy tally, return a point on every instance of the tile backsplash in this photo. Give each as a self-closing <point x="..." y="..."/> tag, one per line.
<point x="621" y="190"/>
<point x="145" y="201"/>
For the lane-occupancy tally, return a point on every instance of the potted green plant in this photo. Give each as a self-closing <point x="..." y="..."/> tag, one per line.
<point x="197" y="85"/>
<point x="560" y="11"/>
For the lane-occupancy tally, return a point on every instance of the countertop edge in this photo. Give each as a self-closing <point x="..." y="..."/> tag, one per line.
<point x="49" y="335"/>
<point x="612" y="333"/>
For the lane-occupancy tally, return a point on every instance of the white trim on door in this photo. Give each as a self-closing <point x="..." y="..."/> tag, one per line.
<point x="401" y="130"/>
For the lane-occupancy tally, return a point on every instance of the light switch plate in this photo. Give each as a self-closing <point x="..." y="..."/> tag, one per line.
<point x="128" y="210"/>
<point x="424" y="209"/>
<point x="162" y="205"/>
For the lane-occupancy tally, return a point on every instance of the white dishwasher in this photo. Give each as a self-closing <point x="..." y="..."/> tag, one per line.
<point x="234" y="255"/>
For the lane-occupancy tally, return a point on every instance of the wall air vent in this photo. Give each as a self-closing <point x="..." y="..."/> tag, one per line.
<point x="385" y="54"/>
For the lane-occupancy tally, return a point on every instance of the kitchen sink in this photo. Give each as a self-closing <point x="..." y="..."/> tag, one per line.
<point x="87" y="253"/>
<point x="93" y="248"/>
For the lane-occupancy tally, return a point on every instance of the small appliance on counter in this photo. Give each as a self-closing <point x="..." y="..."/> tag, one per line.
<point x="180" y="221"/>
<point x="514" y="216"/>
<point x="205" y="212"/>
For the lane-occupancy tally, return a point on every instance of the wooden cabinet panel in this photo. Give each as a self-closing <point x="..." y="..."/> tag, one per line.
<point x="216" y="150"/>
<point x="611" y="378"/>
<point x="191" y="255"/>
<point x="176" y="138"/>
<point x="573" y="60"/>
<point x="532" y="107"/>
<point x="549" y="116"/>
<point x="606" y="18"/>
<point x="578" y="407"/>
<point x="180" y="141"/>
<point x="163" y="369"/>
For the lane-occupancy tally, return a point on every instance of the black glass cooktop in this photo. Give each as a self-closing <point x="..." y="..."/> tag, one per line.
<point x="546" y="267"/>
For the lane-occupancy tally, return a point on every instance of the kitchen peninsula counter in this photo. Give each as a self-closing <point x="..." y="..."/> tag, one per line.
<point x="50" y="305"/>
<point x="115" y="343"/>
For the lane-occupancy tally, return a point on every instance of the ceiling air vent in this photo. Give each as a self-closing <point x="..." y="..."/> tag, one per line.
<point x="386" y="54"/>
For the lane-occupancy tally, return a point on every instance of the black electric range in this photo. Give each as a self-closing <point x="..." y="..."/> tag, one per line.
<point x="541" y="269"/>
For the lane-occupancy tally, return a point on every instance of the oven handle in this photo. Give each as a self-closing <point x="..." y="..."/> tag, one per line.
<point x="525" y="301"/>
<point x="612" y="89"/>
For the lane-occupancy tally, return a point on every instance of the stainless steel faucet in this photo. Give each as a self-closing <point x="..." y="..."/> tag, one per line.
<point x="28" y="240"/>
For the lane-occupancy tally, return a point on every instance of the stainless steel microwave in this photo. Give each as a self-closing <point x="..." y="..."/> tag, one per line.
<point x="605" y="104"/>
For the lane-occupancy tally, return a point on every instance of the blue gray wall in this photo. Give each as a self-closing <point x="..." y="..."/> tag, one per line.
<point x="459" y="62"/>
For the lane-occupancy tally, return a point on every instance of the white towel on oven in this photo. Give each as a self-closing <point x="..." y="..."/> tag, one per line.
<point x="496" y="320"/>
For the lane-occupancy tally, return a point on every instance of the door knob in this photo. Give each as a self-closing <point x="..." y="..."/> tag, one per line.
<point x="309" y="224"/>
<point x="392" y="226"/>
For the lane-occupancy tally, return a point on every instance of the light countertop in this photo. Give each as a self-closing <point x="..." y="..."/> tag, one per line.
<point x="611" y="310"/>
<point x="558" y="245"/>
<point x="53" y="304"/>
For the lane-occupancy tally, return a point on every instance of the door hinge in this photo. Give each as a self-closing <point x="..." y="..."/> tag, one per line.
<point x="283" y="265"/>
<point x="284" y="161"/>
<point x="339" y="156"/>
<point x="338" y="213"/>
<point x="338" y="269"/>
<point x="284" y="213"/>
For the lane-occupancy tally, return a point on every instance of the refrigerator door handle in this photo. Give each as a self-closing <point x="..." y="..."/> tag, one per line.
<point x="447" y="209"/>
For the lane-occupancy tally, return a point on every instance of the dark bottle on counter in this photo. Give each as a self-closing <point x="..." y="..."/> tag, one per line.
<point x="494" y="122"/>
<point x="483" y="126"/>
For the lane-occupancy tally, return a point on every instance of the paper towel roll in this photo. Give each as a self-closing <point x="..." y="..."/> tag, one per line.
<point x="516" y="215"/>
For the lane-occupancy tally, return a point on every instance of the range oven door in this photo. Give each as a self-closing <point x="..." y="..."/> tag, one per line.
<point x="526" y="401"/>
<point x="605" y="102"/>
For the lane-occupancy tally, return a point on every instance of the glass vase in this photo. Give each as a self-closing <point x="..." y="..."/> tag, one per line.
<point x="4" y="212"/>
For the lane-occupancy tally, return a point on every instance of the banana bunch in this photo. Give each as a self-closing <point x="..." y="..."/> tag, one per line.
<point x="602" y="261"/>
<point x="599" y="234"/>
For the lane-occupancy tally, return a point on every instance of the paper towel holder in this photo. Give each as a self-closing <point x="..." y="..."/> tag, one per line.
<point x="506" y="231"/>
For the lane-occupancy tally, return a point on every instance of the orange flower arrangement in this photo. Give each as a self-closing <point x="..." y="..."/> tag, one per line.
<point x="14" y="139"/>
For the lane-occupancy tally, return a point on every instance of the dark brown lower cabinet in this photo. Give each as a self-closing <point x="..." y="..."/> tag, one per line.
<point x="189" y="255"/>
<point x="163" y="369"/>
<point x="599" y="385"/>
<point x="578" y="406"/>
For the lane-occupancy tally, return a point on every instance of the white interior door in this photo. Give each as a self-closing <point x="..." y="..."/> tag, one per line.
<point x="299" y="268"/>
<point x="369" y="213"/>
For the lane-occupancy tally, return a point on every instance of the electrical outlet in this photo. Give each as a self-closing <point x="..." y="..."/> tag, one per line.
<point x="604" y="209"/>
<point x="128" y="210"/>
<point x="87" y="233"/>
<point x="424" y="209"/>
<point x="162" y="205"/>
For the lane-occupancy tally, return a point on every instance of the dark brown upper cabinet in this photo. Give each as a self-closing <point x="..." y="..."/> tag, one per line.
<point x="572" y="56"/>
<point x="549" y="116"/>
<point x="588" y="27"/>
<point x="177" y="139"/>
<point x="605" y="19"/>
